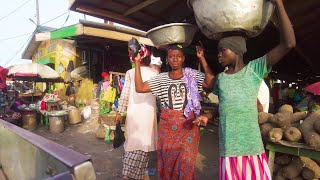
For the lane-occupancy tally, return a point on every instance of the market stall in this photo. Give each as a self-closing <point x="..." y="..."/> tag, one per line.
<point x="291" y="137"/>
<point x="29" y="99"/>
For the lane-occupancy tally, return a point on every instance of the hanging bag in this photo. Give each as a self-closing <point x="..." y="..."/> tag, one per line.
<point x="110" y="94"/>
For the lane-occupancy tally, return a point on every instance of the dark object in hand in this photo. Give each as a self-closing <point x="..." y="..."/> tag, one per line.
<point x="118" y="136"/>
<point x="134" y="47"/>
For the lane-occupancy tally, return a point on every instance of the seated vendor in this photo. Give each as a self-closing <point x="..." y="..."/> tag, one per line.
<point x="13" y="113"/>
<point x="70" y="93"/>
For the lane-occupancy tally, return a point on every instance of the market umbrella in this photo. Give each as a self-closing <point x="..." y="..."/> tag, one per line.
<point x="313" y="88"/>
<point x="35" y="72"/>
<point x="79" y="72"/>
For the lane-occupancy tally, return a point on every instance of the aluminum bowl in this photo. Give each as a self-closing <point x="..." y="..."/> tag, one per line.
<point x="174" y="33"/>
<point x="215" y="17"/>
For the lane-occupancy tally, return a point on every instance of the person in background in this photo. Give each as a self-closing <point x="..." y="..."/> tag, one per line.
<point x="141" y="123"/>
<point x="178" y="91"/>
<point x="70" y="93"/>
<point x="242" y="154"/>
<point x="283" y="95"/>
<point x="291" y="93"/>
<point x="156" y="63"/>
<point x="275" y="96"/>
<point x="105" y="107"/>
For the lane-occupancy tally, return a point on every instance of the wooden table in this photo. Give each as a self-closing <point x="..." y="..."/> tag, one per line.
<point x="30" y="94"/>
<point x="297" y="149"/>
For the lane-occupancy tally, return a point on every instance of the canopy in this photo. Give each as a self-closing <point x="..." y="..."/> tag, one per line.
<point x="313" y="88"/>
<point x="35" y="72"/>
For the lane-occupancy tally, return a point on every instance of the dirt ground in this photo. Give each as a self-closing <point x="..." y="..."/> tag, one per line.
<point x="107" y="161"/>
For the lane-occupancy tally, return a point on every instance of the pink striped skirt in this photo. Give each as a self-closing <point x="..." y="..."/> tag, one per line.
<point x="244" y="168"/>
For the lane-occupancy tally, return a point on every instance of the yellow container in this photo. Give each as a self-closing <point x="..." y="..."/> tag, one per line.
<point x="74" y="116"/>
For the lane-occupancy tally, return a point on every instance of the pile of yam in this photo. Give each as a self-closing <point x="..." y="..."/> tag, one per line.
<point x="289" y="126"/>
<point x="294" y="167"/>
<point x="300" y="127"/>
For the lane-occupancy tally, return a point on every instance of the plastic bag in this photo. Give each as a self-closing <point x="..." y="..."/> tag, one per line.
<point x="118" y="136"/>
<point x="86" y="112"/>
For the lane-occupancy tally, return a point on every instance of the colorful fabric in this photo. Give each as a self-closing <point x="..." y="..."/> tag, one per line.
<point x="3" y="76"/>
<point x="193" y="96"/>
<point x="135" y="164"/>
<point x="124" y="98"/>
<point x="144" y="52"/>
<point x="175" y="47"/>
<point x="104" y="107"/>
<point x="177" y="146"/>
<point x="105" y="85"/>
<point x="239" y="133"/>
<point x="244" y="168"/>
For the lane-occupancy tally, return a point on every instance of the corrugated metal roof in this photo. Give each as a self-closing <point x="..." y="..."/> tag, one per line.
<point x="33" y="44"/>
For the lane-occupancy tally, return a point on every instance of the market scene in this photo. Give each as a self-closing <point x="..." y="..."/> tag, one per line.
<point x="168" y="90"/>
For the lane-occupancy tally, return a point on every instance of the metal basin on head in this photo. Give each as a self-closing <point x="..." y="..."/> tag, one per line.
<point x="218" y="17"/>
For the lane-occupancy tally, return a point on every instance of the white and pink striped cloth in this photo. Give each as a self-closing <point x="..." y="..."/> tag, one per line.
<point x="245" y="168"/>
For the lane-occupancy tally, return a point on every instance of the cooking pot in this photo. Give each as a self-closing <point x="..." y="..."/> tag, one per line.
<point x="218" y="17"/>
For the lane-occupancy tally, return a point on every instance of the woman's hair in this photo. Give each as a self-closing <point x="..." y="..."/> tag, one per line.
<point x="175" y="47"/>
<point x="146" y="61"/>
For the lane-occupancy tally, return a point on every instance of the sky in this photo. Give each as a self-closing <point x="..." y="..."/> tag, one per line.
<point x="18" y="24"/>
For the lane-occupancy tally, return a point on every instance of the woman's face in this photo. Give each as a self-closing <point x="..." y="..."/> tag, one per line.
<point x="175" y="59"/>
<point x="226" y="57"/>
<point x="106" y="78"/>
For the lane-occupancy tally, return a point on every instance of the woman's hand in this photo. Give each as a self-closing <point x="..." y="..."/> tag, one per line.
<point x="201" y="120"/>
<point x="118" y="118"/>
<point x="200" y="50"/>
<point x="137" y="58"/>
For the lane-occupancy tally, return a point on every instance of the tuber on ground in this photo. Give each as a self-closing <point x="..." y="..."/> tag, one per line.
<point x="282" y="120"/>
<point x="276" y="168"/>
<point x="285" y="108"/>
<point x="297" y="178"/>
<point x="264" y="117"/>
<point x="293" y="169"/>
<point x="285" y="117"/>
<point x="279" y="175"/>
<point x="316" y="126"/>
<point x="311" y="137"/>
<point x="296" y="117"/>
<point x="292" y="134"/>
<point x="296" y="125"/>
<point x="312" y="165"/>
<point x="283" y="159"/>
<point x="265" y="128"/>
<point x="308" y="173"/>
<point x="275" y="134"/>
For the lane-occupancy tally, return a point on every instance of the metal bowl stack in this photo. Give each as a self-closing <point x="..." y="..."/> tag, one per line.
<point x="216" y="17"/>
<point x="174" y="33"/>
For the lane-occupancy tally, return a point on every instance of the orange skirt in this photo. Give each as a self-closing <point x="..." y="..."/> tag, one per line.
<point x="177" y="145"/>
